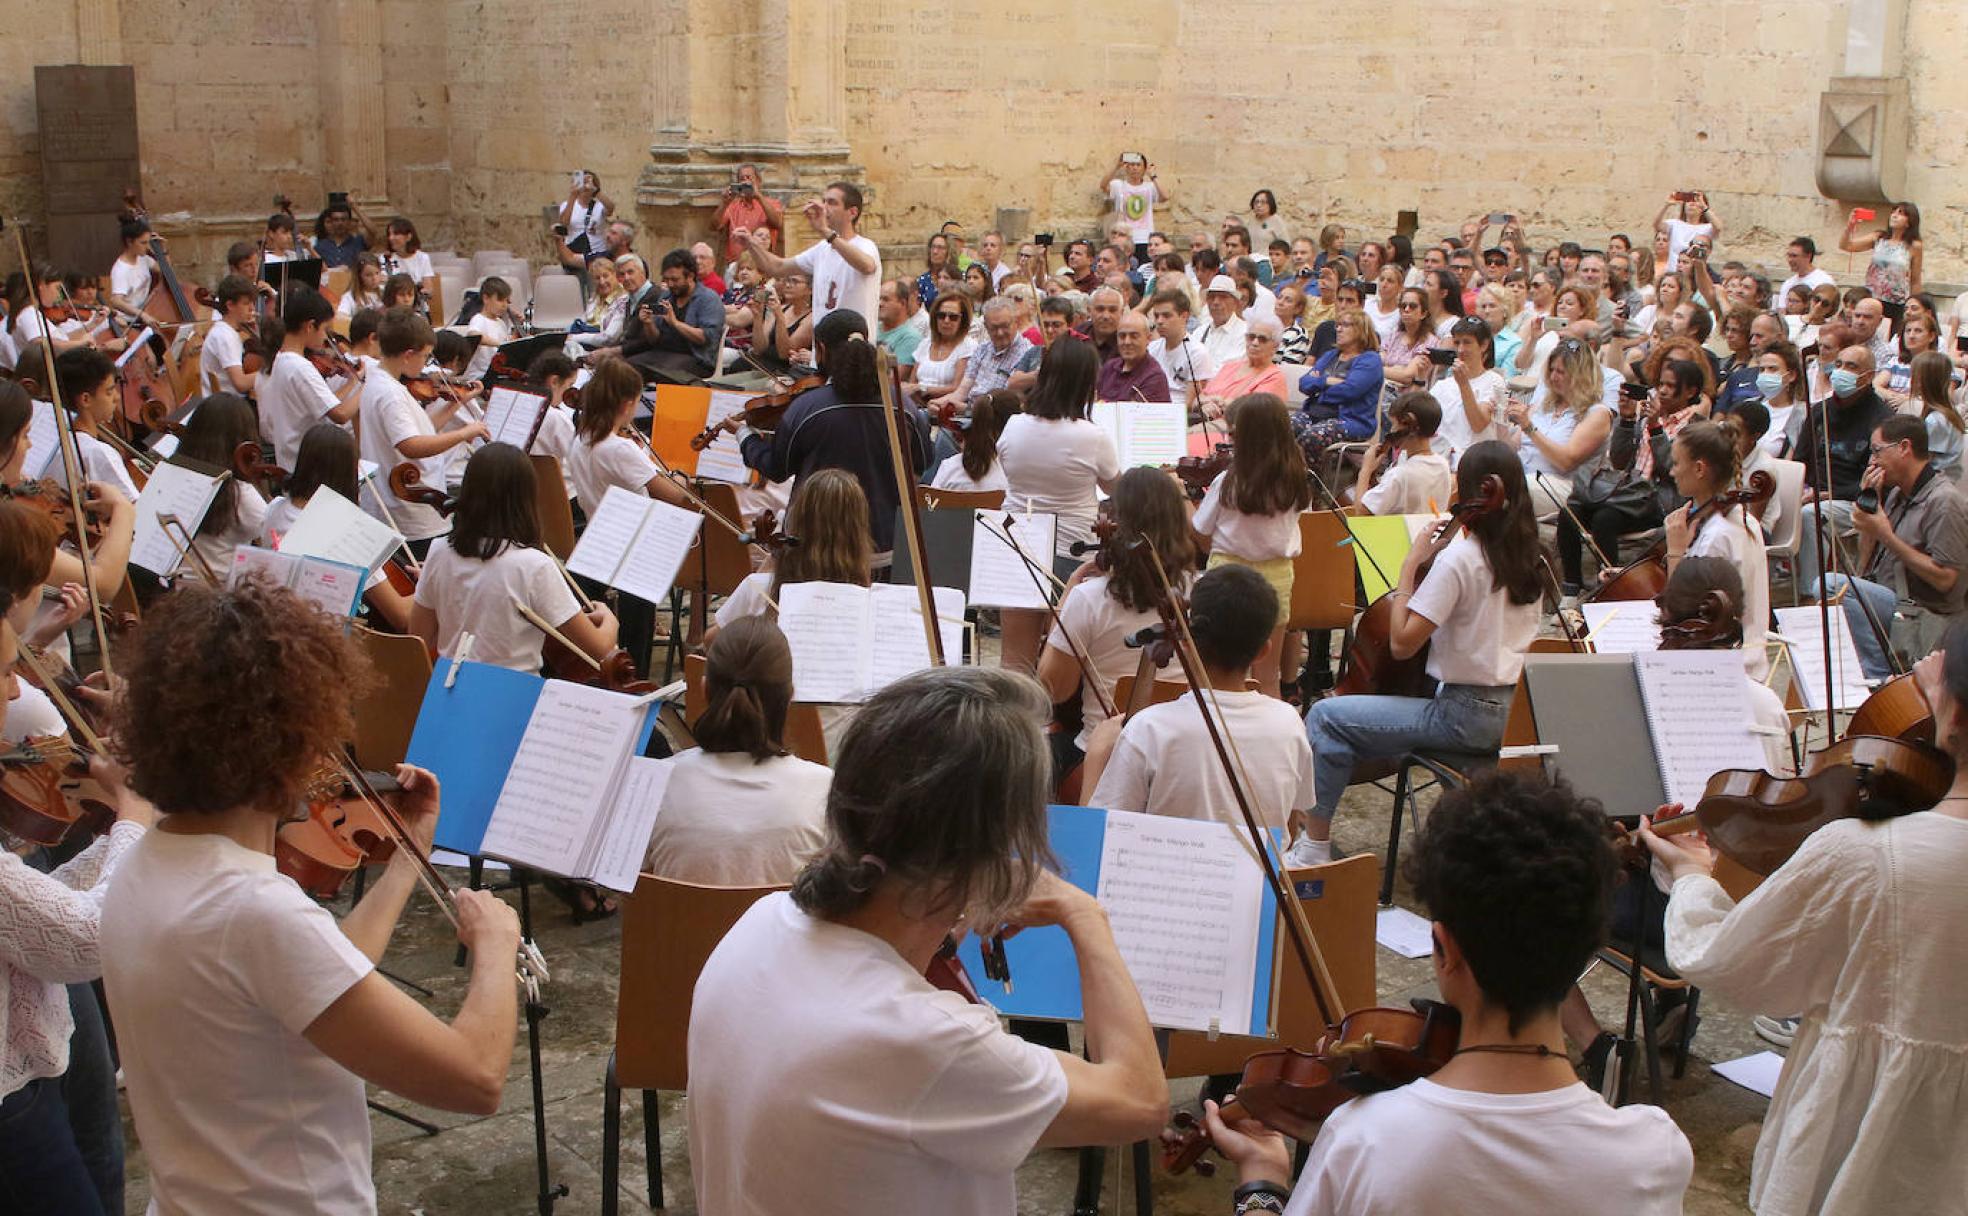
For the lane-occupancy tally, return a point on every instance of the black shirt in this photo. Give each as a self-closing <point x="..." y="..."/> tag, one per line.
<point x="819" y="432"/>
<point x="1853" y="420"/>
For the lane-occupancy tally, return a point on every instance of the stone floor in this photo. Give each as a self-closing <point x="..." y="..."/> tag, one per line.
<point x="484" y="1167"/>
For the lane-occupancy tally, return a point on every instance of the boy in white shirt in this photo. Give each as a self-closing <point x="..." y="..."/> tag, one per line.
<point x="221" y="362"/>
<point x="493" y="324"/>
<point x="1516" y="874"/>
<point x="1419" y="482"/>
<point x="1183" y="360"/>
<point x="90" y="390"/>
<point x="1162" y="761"/>
<point x="396" y="428"/>
<point x="293" y="395"/>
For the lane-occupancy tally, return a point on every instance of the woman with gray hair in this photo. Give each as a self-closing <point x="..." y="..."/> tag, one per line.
<point x="826" y="1073"/>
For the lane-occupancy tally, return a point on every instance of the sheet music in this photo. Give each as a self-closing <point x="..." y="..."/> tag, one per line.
<point x="722" y="460"/>
<point x="1145" y="432"/>
<point x="1183" y="896"/>
<point x="512" y="416"/>
<point x="649" y="568"/>
<point x="611" y="530"/>
<point x="563" y="776"/>
<point x="895" y="641"/>
<point x="827" y="625"/>
<point x="333" y="587"/>
<point x="331" y="526"/>
<point x="172" y="490"/>
<point x="1697" y="704"/>
<point x="998" y="579"/>
<point x="1622" y="627"/>
<point x="1803" y="630"/>
<point x="624" y="840"/>
<point x="137" y="343"/>
<point x="43" y="442"/>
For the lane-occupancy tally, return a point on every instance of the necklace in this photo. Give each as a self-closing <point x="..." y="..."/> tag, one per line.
<point x="1539" y="1050"/>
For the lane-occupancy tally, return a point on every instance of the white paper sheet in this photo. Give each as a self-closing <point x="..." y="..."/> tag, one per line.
<point x="998" y="577"/>
<point x="331" y="526"/>
<point x="333" y="587"/>
<point x="624" y="841"/>
<point x="1697" y="704"/>
<point x="172" y="490"/>
<point x="649" y="568"/>
<point x="1403" y="932"/>
<point x="605" y="541"/>
<point x="43" y="442"/>
<point x="563" y="776"/>
<point x="1145" y="432"/>
<point x="1622" y="626"/>
<point x="722" y="461"/>
<point x="513" y="415"/>
<point x="1184" y="899"/>
<point x="826" y="626"/>
<point x="1803" y="630"/>
<point x="895" y="643"/>
<point x="1757" y="1073"/>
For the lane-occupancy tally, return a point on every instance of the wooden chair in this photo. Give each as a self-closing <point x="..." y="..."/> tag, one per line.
<point x="1322" y="575"/>
<point x="803" y="733"/>
<point x="386" y="714"/>
<point x="668" y="932"/>
<point x="716" y="564"/>
<point x="959" y="500"/>
<point x="550" y="499"/>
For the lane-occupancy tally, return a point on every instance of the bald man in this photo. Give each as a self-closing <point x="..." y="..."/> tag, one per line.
<point x="1131" y="375"/>
<point x="1845" y="424"/>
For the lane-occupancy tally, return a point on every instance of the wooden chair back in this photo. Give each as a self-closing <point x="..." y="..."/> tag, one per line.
<point x="1322" y="574"/>
<point x="1520" y="727"/>
<point x="1163" y="692"/>
<point x="1340" y="900"/>
<point x="386" y="714"/>
<point x="668" y="932"/>
<point x="550" y="500"/>
<point x="720" y="561"/>
<point x="959" y="500"/>
<point x="803" y="733"/>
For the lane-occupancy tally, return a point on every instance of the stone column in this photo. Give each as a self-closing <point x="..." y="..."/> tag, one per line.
<point x="1862" y="114"/>
<point x="354" y="132"/>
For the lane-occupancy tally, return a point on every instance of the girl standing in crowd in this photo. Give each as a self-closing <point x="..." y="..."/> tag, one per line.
<point x="1897" y="251"/>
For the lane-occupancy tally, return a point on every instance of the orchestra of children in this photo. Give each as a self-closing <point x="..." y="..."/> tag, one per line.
<point x="827" y="1073"/>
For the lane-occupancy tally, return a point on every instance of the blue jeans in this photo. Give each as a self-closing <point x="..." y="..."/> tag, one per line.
<point x="41" y="1171"/>
<point x="1872" y="655"/>
<point x="1346" y="730"/>
<point x="89" y="1091"/>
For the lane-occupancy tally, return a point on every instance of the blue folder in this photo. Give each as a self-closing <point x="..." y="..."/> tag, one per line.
<point x="1045" y="973"/>
<point x="468" y="735"/>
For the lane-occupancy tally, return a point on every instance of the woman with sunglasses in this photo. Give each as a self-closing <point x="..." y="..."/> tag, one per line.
<point x="941" y="362"/>
<point x="1256" y="372"/>
<point x="1404" y="356"/>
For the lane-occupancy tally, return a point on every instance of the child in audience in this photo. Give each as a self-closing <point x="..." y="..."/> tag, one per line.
<point x="1419" y="481"/>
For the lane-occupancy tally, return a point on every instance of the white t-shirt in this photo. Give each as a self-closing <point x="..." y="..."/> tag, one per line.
<point x="1679" y="233"/>
<point x="476" y="597"/>
<point x="223" y="349"/>
<point x="1731" y="535"/>
<point x="1056" y="464"/>
<point x="1428" y="1148"/>
<point x="615" y="461"/>
<point x="1135" y="206"/>
<point x="131" y="280"/>
<point x="1480" y="636"/>
<point x="1224" y="343"/>
<point x="1383" y="322"/>
<point x="1816" y="277"/>
<point x="1255" y="538"/>
<point x="731" y="821"/>
<point x="1416" y="485"/>
<point x="416" y="265"/>
<point x="100" y="462"/>
<point x="217" y="547"/>
<point x="909" y="1099"/>
<point x="280" y="516"/>
<point x="1182" y="364"/>
<point x="493" y="334"/>
<point x="391" y="415"/>
<point x="293" y="397"/>
<point x="215" y="967"/>
<point x="950" y="475"/>
<point x="934" y="373"/>
<point x="839" y="285"/>
<point x="1101" y="626"/>
<point x="556" y="438"/>
<point x="1455" y="436"/>
<point x="1165" y="764"/>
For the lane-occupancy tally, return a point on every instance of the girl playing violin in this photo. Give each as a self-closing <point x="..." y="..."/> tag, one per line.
<point x="247" y="1018"/>
<point x="328" y="458"/>
<point x="1476" y="610"/>
<point x="1706" y="463"/>
<point x="740" y="809"/>
<point x="1249" y="515"/>
<point x="238" y="512"/>
<point x="26" y="316"/>
<point x="365" y="287"/>
<point x="829" y="515"/>
<point x="1857" y="931"/>
<point x="61" y="1139"/>
<point x="554" y="372"/>
<point x="475" y="578"/>
<point x="1418" y="481"/>
<point x="396" y="428"/>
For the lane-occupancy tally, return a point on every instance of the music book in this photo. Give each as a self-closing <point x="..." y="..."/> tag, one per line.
<point x="540" y="773"/>
<point x="513" y="415"/>
<point x="1801" y="631"/>
<point x="334" y="587"/>
<point x="1145" y="432"/>
<point x="1622" y="626"/>
<point x="635" y="543"/>
<point x="176" y="490"/>
<point x="999" y="577"/>
<point x="43" y="442"/>
<point x="334" y="528"/>
<point x="850" y="642"/>
<point x="1193" y="917"/>
<point x="680" y="414"/>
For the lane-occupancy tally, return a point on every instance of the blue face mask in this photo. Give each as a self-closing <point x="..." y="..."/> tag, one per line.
<point x="1844" y="381"/>
<point x="1769" y="383"/>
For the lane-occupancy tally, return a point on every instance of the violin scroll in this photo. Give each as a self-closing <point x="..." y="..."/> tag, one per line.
<point x="406" y="481"/>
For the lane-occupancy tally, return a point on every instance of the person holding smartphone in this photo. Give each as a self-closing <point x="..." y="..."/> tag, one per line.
<point x="1693" y="220"/>
<point x="1133" y="189"/>
<point x="581" y="221"/>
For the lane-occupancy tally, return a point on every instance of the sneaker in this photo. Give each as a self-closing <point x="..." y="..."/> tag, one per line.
<point x="1780" y="1032"/>
<point x="1305" y="851"/>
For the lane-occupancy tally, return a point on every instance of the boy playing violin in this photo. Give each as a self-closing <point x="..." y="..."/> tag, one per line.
<point x="293" y="394"/>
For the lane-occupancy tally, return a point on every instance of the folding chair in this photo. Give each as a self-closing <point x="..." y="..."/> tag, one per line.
<point x="550" y="499"/>
<point x="386" y="714"/>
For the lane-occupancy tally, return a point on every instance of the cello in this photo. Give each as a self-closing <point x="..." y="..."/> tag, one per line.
<point x="1645" y="577"/>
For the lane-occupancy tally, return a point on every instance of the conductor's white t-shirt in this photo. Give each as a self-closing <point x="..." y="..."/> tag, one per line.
<point x="904" y="1098"/>
<point x="837" y="284"/>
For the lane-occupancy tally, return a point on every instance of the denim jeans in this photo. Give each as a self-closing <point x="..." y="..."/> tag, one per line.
<point x="89" y="1091"/>
<point x="1346" y="730"/>
<point x="41" y="1171"/>
<point x="1872" y="655"/>
<point x="1839" y="512"/>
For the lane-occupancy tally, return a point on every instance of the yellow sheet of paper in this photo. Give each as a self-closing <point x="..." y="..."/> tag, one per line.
<point x="1386" y="538"/>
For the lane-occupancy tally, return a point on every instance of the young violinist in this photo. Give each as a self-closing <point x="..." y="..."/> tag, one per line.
<point x="826" y="1073"/>
<point x="61" y="1136"/>
<point x="221" y="361"/>
<point x="93" y="395"/>
<point x="1162" y="760"/>
<point x="1706" y="465"/>
<point x="1249" y="514"/>
<point x="238" y="512"/>
<point x="1476" y="611"/>
<point x="405" y="255"/>
<point x="328" y="458"/>
<point x="365" y="287"/>
<point x="87" y="318"/>
<point x="829" y="515"/>
<point x="740" y="809"/>
<point x="27" y="319"/>
<point x="975" y="467"/>
<point x="603" y="453"/>
<point x="292" y="392"/>
<point x="1855" y="931"/>
<point x="1112" y="596"/>
<point x="475" y="579"/>
<point x="395" y="428"/>
<point x="554" y="371"/>
<point x="247" y="1019"/>
<point x="493" y="324"/>
<point x="134" y="272"/>
<point x="1515" y="874"/>
<point x="1419" y="481"/>
<point x="109" y="554"/>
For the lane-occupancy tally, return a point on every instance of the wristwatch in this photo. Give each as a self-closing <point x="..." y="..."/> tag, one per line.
<point x="1261" y="1196"/>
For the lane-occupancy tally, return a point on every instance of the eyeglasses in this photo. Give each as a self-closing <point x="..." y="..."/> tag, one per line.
<point x="949" y="316"/>
<point x="1407" y="305"/>
<point x="1570" y="346"/>
<point x="1259" y="338"/>
<point x="1878" y="448"/>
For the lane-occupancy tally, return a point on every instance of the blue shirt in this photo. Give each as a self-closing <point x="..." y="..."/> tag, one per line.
<point x="339" y="253"/>
<point x="1354" y="398"/>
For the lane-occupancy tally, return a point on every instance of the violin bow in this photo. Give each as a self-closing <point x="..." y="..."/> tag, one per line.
<point x="1826" y="559"/>
<point x="71" y="457"/>
<point x="389" y="516"/>
<point x="539" y="622"/>
<point x="684" y="484"/>
<point x="1032" y="571"/>
<point x="76" y="722"/>
<point x="427" y="873"/>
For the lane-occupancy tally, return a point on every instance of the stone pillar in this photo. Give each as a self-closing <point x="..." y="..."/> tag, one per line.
<point x="99" y="31"/>
<point x="763" y="81"/>
<point x="1862" y="114"/>
<point x="353" y="127"/>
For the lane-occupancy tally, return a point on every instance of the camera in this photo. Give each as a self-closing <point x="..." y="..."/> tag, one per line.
<point x="1867" y="501"/>
<point x="1441" y="357"/>
<point x="1043" y="240"/>
<point x="337" y="199"/>
<point x="1553" y="324"/>
<point x="1634" y="391"/>
<point x="1684" y="196"/>
<point x="1133" y="158"/>
<point x="560" y="230"/>
<point x="745" y="188"/>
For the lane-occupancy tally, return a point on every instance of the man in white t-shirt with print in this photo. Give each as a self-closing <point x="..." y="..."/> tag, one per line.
<point x="1184" y="361"/>
<point x="1516" y="874"/>
<point x="844" y="266"/>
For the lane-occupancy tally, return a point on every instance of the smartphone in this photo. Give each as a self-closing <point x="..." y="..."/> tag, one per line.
<point x="1634" y="391"/>
<point x="1683" y="196"/>
<point x="1961" y="343"/>
<point x="338" y="198"/>
<point x="1043" y="240"/>
<point x="1133" y="158"/>
<point x="1553" y="324"/>
<point x="579" y="178"/>
<point x="1864" y="213"/>
<point x="1440" y="357"/>
<point x="560" y="229"/>
<point x="1500" y="217"/>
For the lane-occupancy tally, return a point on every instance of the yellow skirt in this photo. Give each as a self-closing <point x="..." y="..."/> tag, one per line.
<point x="1277" y="571"/>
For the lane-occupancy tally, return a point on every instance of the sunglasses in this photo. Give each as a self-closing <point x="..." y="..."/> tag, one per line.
<point x="1410" y="305"/>
<point x="949" y="316"/>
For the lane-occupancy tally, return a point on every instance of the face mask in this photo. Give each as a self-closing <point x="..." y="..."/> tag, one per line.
<point x="1844" y="381"/>
<point x="1769" y="383"/>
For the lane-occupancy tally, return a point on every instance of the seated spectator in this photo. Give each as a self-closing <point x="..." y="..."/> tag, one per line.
<point x="1005" y="359"/>
<point x="1255" y="371"/>
<point x="1131" y="375"/>
<point x="1342" y="391"/>
<point x="1223" y="336"/>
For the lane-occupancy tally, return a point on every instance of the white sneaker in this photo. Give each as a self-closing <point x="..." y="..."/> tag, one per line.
<point x="1305" y="851"/>
<point x="1781" y="1032"/>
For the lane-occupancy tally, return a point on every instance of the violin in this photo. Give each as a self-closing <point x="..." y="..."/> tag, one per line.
<point x="1895" y="710"/>
<point x="46" y="793"/>
<point x="1198" y="472"/>
<point x="1646" y="577"/>
<point x="1390" y="447"/>
<point x="428" y="387"/>
<point x="332" y="360"/>
<point x="53" y="501"/>
<point x="764" y="412"/>
<point x="340" y="834"/>
<point x="406" y="481"/>
<point x="250" y="463"/>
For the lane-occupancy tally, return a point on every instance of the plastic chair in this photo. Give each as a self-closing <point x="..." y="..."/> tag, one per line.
<point x="556" y="301"/>
<point x="668" y="932"/>
<point x="450" y="292"/>
<point x="1294" y="396"/>
<point x="1780" y="547"/>
<point x="484" y="259"/>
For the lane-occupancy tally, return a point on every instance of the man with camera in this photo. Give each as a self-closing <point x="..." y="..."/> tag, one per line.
<point x="342" y="231"/>
<point x="671" y="344"/>
<point x="745" y="205"/>
<point x="1912" y="523"/>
